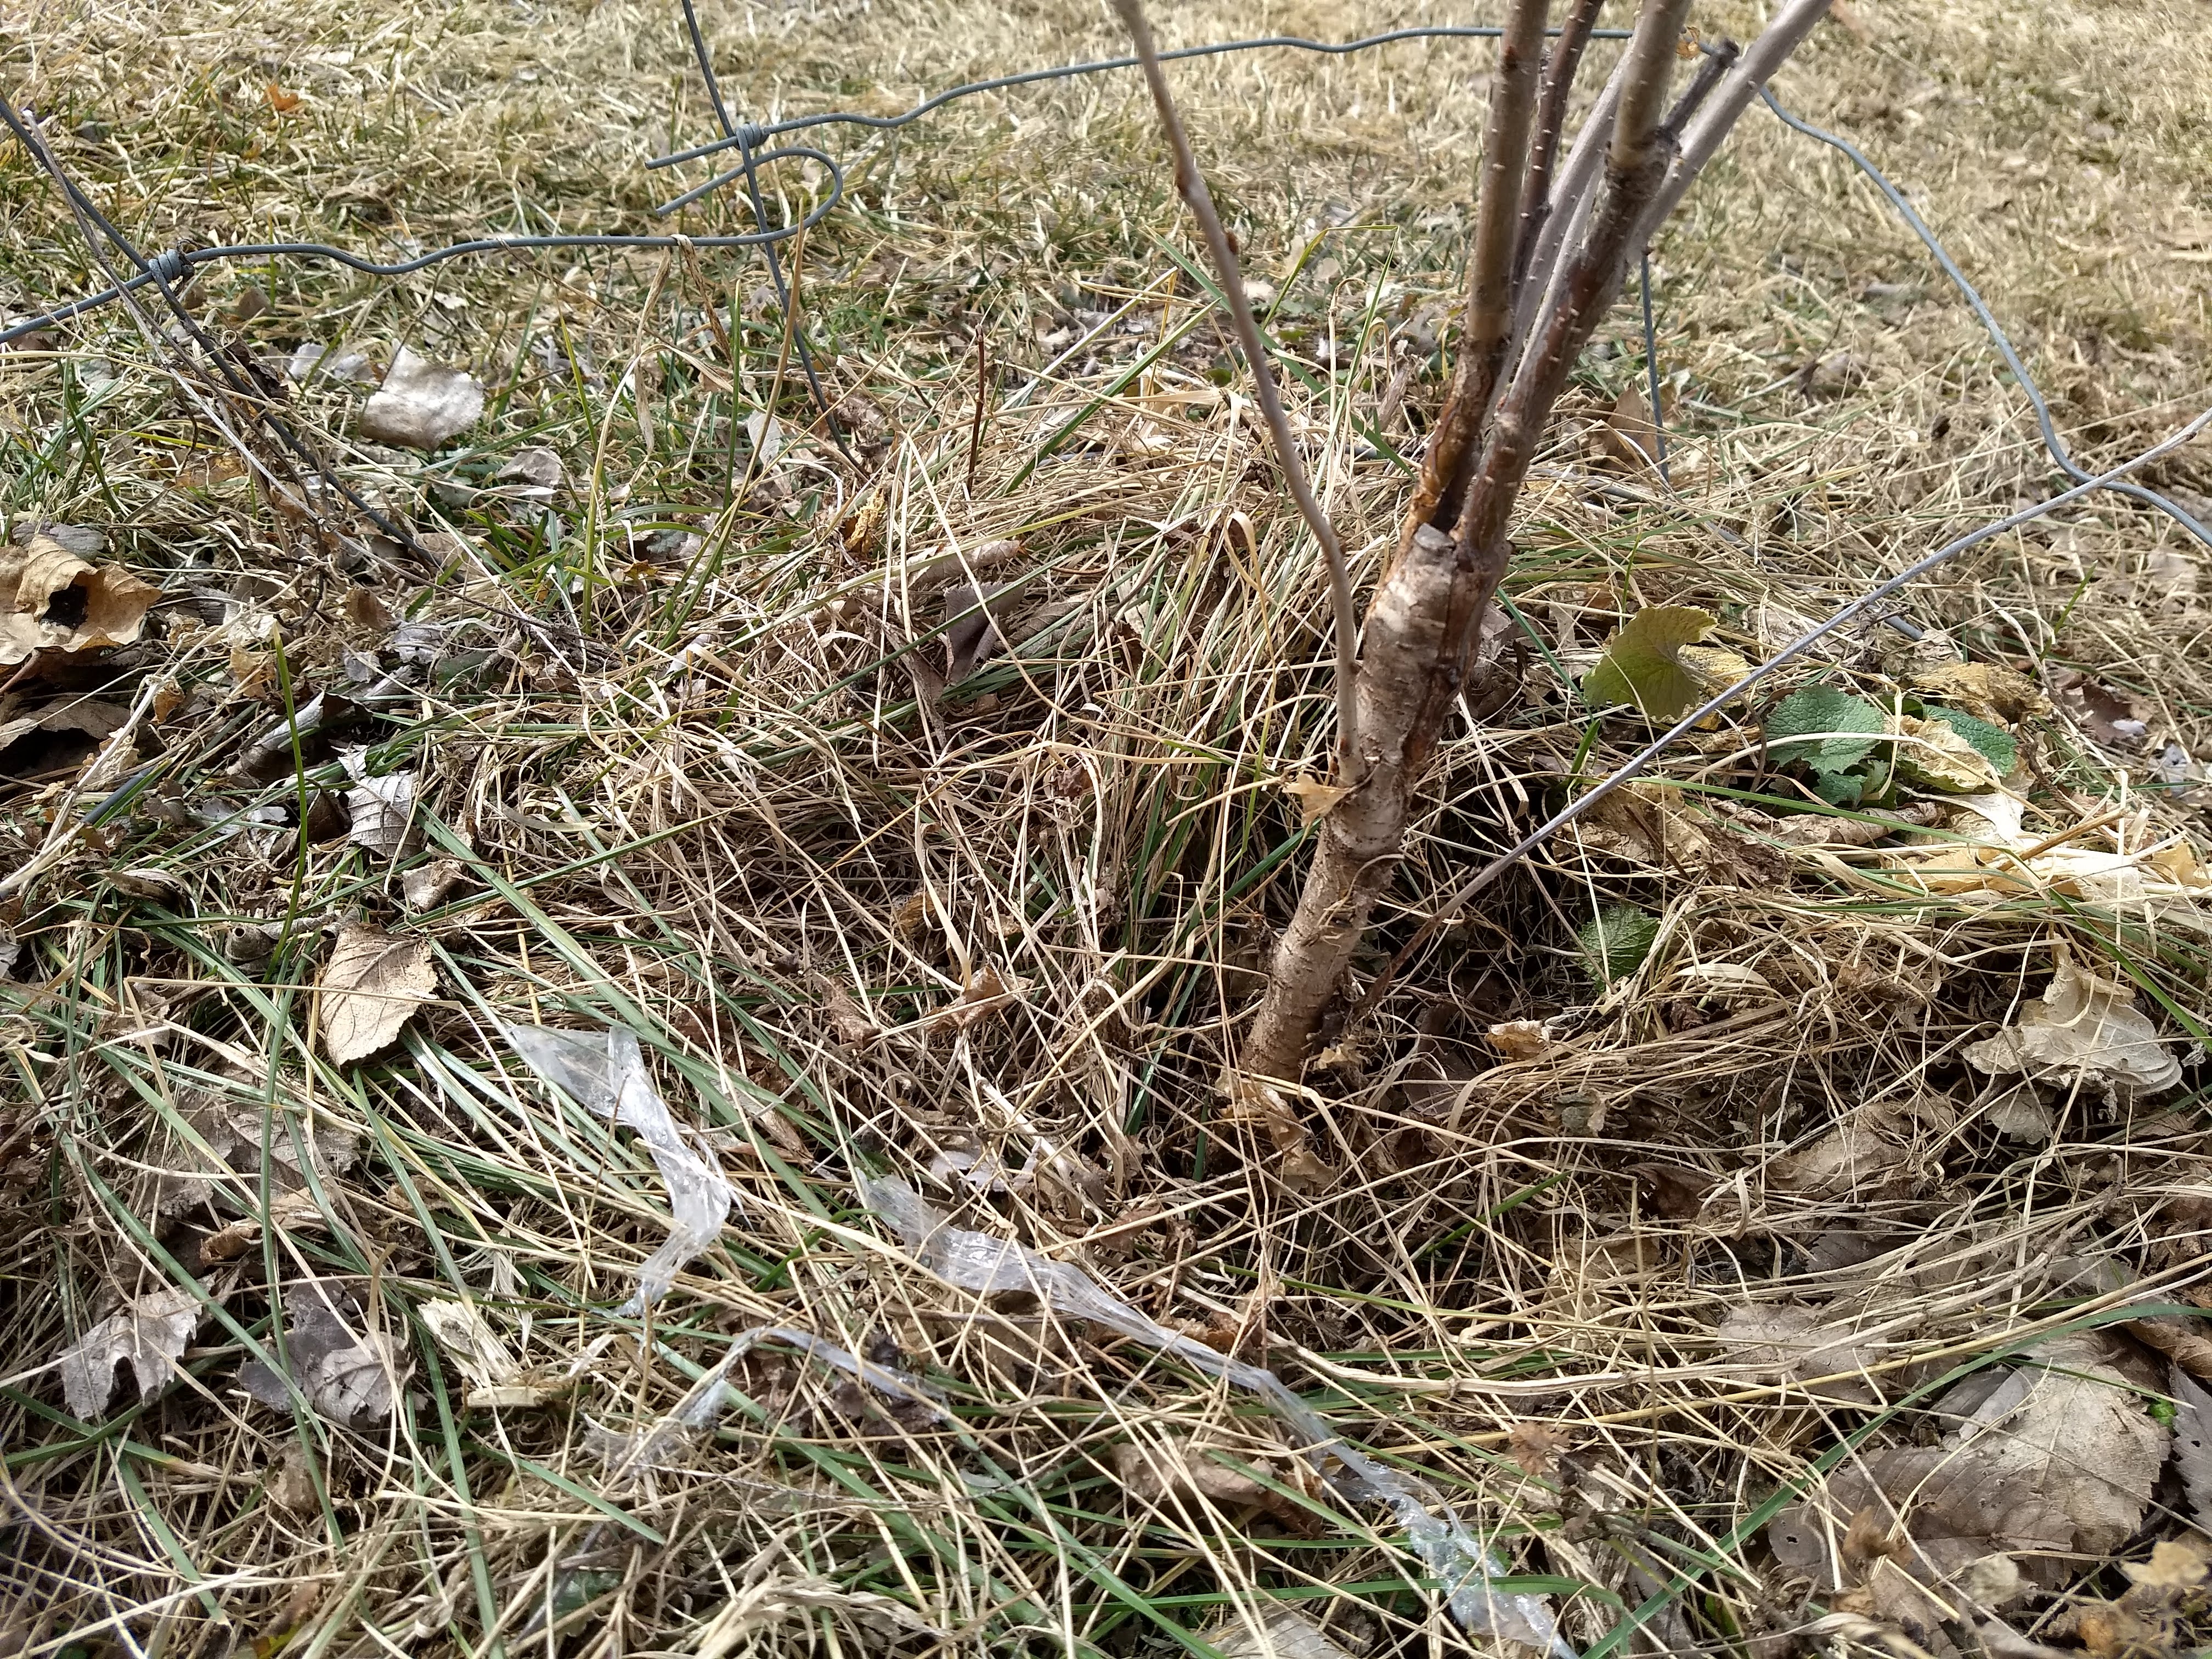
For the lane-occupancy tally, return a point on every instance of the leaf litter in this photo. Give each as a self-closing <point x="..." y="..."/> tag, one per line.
<point x="1637" y="1202"/>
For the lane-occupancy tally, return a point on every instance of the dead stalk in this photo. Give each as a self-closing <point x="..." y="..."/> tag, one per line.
<point x="1190" y="184"/>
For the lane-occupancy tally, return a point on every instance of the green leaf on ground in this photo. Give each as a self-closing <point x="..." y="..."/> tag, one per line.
<point x="1643" y="663"/>
<point x="1992" y="742"/>
<point x="1615" y="941"/>
<point x="1835" y="737"/>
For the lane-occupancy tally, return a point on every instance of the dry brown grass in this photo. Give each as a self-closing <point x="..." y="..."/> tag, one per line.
<point x="859" y="924"/>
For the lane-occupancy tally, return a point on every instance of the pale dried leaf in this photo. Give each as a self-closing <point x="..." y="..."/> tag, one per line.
<point x="148" y="1333"/>
<point x="1794" y="1344"/>
<point x="347" y="1372"/>
<point x="343" y="364"/>
<point x="109" y="606"/>
<point x="469" y="1342"/>
<point x="1183" y="1469"/>
<point x="849" y="1019"/>
<point x="1536" y="1447"/>
<point x="373" y="983"/>
<point x="426" y="885"/>
<point x="2059" y="1459"/>
<point x="2177" y="1566"/>
<point x="2192" y="1442"/>
<point x="381" y="809"/>
<point x="2086" y="1027"/>
<point x="1315" y="799"/>
<point x="1519" y="1039"/>
<point x="421" y="405"/>
<point x="1850" y="1160"/>
<point x="1933" y="753"/>
<point x="1275" y="1632"/>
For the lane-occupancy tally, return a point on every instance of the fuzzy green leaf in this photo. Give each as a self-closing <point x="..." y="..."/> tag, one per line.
<point x="1615" y="941"/>
<point x="1992" y="742"/>
<point x="1844" y="767"/>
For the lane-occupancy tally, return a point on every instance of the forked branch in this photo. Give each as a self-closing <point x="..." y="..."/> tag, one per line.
<point x="1432" y="602"/>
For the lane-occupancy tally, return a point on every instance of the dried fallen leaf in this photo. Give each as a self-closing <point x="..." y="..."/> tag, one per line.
<point x="2056" y="1458"/>
<point x="426" y="884"/>
<point x="1315" y="799"/>
<point x="469" y="1342"/>
<point x="1183" y="1469"/>
<point x="850" y="1022"/>
<point x="2086" y="1028"/>
<point x="53" y="600"/>
<point x="1275" y="1632"/>
<point x="1537" y="1448"/>
<point x="148" y="1333"/>
<point x="538" y="472"/>
<point x="1988" y="691"/>
<point x="348" y="1374"/>
<point x="2177" y="1566"/>
<point x="1853" y="1160"/>
<point x="421" y="405"/>
<point x="341" y="364"/>
<point x="1519" y="1039"/>
<point x="1931" y="753"/>
<point x="381" y="810"/>
<point x="281" y="101"/>
<point x="2192" y="1442"/>
<point x="373" y="983"/>
<point x="984" y="994"/>
<point x="1795" y="1345"/>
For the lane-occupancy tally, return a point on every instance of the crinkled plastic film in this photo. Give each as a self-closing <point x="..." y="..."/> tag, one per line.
<point x="1461" y="1563"/>
<point x="604" y="1073"/>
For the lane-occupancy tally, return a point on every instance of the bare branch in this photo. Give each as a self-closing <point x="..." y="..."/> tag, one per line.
<point x="1716" y="61"/>
<point x="1560" y="68"/>
<point x="1566" y="213"/>
<point x="1702" y="137"/>
<point x="1452" y="445"/>
<point x="1430" y="605"/>
<point x="1648" y="71"/>
<point x="1190" y="184"/>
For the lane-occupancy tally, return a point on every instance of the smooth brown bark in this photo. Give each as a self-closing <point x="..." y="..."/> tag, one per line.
<point x="1561" y="66"/>
<point x="1431" y="603"/>
<point x="1455" y="439"/>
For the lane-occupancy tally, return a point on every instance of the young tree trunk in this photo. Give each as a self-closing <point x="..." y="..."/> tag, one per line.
<point x="1527" y="319"/>
<point x="1431" y="600"/>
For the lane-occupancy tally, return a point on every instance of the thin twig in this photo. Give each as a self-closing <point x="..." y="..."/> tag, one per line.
<point x="1457" y="442"/>
<point x="1564" y="213"/>
<point x="1702" y="137"/>
<point x="1190" y="184"/>
<point x="1560" y="70"/>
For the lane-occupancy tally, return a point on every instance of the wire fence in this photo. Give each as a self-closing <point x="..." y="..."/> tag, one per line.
<point x="756" y="149"/>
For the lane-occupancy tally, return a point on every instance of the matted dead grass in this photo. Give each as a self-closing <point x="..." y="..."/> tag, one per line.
<point x="704" y="746"/>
